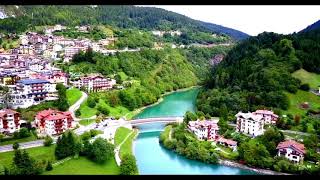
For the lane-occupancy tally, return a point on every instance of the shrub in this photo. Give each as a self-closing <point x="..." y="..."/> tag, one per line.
<point x="49" y="166"/>
<point x="78" y="113"/>
<point x="24" y="132"/>
<point x="104" y="110"/>
<point x="15" y="146"/>
<point x="305" y="87"/>
<point x="128" y="165"/>
<point x="16" y="135"/>
<point x="169" y="144"/>
<point x="101" y="150"/>
<point x="91" y="102"/>
<point x="48" y="141"/>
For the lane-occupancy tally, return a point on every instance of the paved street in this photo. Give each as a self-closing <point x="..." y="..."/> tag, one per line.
<point x="24" y="145"/>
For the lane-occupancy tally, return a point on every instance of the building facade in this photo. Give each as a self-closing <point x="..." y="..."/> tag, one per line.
<point x="94" y="83"/>
<point x="53" y="122"/>
<point x="268" y="116"/>
<point x="29" y="92"/>
<point x="249" y="123"/>
<point x="204" y="130"/>
<point x="227" y="142"/>
<point x="291" y="150"/>
<point x="9" y="121"/>
<point x="253" y="123"/>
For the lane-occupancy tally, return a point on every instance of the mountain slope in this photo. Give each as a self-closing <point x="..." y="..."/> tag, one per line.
<point x="238" y="35"/>
<point x="120" y="16"/>
<point x="256" y="73"/>
<point x="313" y="26"/>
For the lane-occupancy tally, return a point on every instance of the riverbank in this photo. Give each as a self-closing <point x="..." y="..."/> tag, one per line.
<point x="137" y="111"/>
<point x="257" y="170"/>
<point x="166" y="135"/>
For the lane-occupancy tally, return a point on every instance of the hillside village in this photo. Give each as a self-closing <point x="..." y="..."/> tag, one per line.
<point x="29" y="73"/>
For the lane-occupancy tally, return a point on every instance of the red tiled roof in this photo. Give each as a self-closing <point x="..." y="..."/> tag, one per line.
<point x="292" y="144"/>
<point x="47" y="115"/>
<point x="227" y="141"/>
<point x="7" y="111"/>
<point x="266" y="112"/>
<point x="55" y="117"/>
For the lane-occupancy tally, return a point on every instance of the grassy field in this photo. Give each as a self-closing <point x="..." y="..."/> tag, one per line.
<point x="126" y="147"/>
<point x="123" y="76"/>
<point x="312" y="79"/>
<point x="73" y="95"/>
<point x="38" y="153"/>
<point x="87" y="122"/>
<point x="84" y="166"/>
<point x="120" y="135"/>
<point x="31" y="138"/>
<point x="300" y="97"/>
<point x="87" y="112"/>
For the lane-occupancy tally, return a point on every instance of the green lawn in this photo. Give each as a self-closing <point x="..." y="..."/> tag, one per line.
<point x="73" y="95"/>
<point x="87" y="112"/>
<point x="30" y="138"/>
<point x="38" y="153"/>
<point x="121" y="134"/>
<point x="87" y="122"/>
<point x="84" y="166"/>
<point x="300" y="97"/>
<point x="126" y="147"/>
<point x="123" y="76"/>
<point x="312" y="79"/>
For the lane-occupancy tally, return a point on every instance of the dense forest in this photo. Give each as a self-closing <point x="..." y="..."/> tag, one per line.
<point x="151" y="72"/>
<point x="119" y="16"/>
<point x="256" y="73"/>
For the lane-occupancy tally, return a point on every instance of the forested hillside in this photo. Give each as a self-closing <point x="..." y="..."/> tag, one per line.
<point x="119" y="16"/>
<point x="257" y="73"/>
<point x="149" y="73"/>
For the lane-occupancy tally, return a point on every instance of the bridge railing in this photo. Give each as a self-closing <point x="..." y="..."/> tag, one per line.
<point x="154" y="117"/>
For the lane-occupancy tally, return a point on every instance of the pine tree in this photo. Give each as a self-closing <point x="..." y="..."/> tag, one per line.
<point x="49" y="166"/>
<point x="18" y="159"/>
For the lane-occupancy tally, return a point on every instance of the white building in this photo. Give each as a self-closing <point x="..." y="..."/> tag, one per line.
<point x="94" y="83"/>
<point x="29" y="92"/>
<point x="71" y="51"/>
<point x="253" y="123"/>
<point x="53" y="122"/>
<point x="204" y="130"/>
<point x="9" y="121"/>
<point x="250" y="123"/>
<point x="269" y="116"/>
<point x="227" y="142"/>
<point x="174" y="33"/>
<point x="291" y="150"/>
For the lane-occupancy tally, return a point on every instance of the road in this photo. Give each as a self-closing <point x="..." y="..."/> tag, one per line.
<point x="76" y="106"/>
<point x="24" y="145"/>
<point x="108" y="130"/>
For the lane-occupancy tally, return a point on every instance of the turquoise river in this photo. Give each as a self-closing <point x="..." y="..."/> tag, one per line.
<point x="152" y="158"/>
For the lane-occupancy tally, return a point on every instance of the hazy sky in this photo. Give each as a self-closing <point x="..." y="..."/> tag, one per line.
<point x="252" y="19"/>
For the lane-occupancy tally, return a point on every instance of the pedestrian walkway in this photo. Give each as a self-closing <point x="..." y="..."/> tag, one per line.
<point x="117" y="149"/>
<point x="61" y="161"/>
